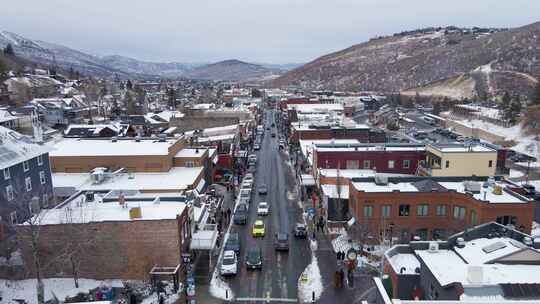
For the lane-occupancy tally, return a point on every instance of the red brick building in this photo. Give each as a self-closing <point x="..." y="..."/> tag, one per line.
<point x="388" y="158"/>
<point x="435" y="207"/>
<point x="363" y="134"/>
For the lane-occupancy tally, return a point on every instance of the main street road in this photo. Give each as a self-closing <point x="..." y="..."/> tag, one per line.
<point x="281" y="270"/>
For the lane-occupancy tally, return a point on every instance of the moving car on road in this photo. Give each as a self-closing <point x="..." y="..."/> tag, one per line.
<point x="263" y="189"/>
<point x="254" y="258"/>
<point x="258" y="228"/>
<point x="229" y="265"/>
<point x="256" y="147"/>
<point x="273" y="134"/>
<point x="282" y="241"/>
<point x="300" y="230"/>
<point x="263" y="208"/>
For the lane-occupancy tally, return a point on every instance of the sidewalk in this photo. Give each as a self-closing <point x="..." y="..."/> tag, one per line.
<point x="328" y="266"/>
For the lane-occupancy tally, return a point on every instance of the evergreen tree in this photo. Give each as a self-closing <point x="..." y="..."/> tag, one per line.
<point x="535" y="96"/>
<point x="171" y="94"/>
<point x="9" y="50"/>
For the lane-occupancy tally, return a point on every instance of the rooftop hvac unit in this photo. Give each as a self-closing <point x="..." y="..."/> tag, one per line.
<point x="473" y="187"/>
<point x="460" y="242"/>
<point x="433" y="247"/>
<point x="497" y="190"/>
<point x="97" y="177"/>
<point x="135" y="213"/>
<point x="381" y="179"/>
<point x="527" y="241"/>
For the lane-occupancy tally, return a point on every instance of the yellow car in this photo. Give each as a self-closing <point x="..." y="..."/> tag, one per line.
<point x="258" y="228"/>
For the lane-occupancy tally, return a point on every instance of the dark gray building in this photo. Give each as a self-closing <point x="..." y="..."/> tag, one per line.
<point x="25" y="177"/>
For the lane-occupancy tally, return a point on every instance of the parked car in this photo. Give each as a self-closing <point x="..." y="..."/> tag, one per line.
<point x="300" y="230"/>
<point x="263" y="208"/>
<point x="263" y="189"/>
<point x="229" y="264"/>
<point x="248" y="177"/>
<point x="241" y="214"/>
<point x="254" y="258"/>
<point x="273" y="134"/>
<point x="245" y="194"/>
<point x="258" y="228"/>
<point x="233" y="243"/>
<point x="256" y="147"/>
<point x="281" y="241"/>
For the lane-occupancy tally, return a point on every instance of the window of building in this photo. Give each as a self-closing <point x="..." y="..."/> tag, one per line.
<point x="490" y="164"/>
<point x="367" y="164"/>
<point x="34" y="206"/>
<point x="28" y="183"/>
<point x="441" y="210"/>
<point x="385" y="210"/>
<point x="406" y="164"/>
<point x="26" y="166"/>
<point x="190" y="163"/>
<point x="368" y="211"/>
<point x="9" y="193"/>
<point x="404" y="210"/>
<point x="447" y="164"/>
<point x="459" y="212"/>
<point x="439" y="234"/>
<point x="7" y="174"/>
<point x="391" y="164"/>
<point x="42" y="178"/>
<point x="40" y="160"/>
<point x="507" y="220"/>
<point x="422" y="210"/>
<point x="474" y="217"/>
<point x="352" y="164"/>
<point x="422" y="233"/>
<point x="13" y="218"/>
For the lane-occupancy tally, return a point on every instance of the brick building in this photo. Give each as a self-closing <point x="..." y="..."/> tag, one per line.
<point x="109" y="238"/>
<point x="361" y="133"/>
<point x="435" y="207"/>
<point x="386" y="158"/>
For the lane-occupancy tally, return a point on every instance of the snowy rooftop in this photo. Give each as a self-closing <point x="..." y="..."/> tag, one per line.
<point x="178" y="178"/>
<point x="364" y="148"/>
<point x="316" y="108"/>
<point x="448" y="267"/>
<point x="406" y="261"/>
<point x="5" y="116"/>
<point x="79" y="211"/>
<point x="331" y="191"/>
<point x="485" y="194"/>
<point x="474" y="254"/>
<point x="106" y="147"/>
<point x="482" y="111"/>
<point x="352" y="173"/>
<point x="191" y="153"/>
<point x="307" y="145"/>
<point x="461" y="148"/>
<point x="225" y="130"/>
<point x="16" y="148"/>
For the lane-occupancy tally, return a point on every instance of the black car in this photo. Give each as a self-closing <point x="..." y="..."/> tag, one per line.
<point x="282" y="241"/>
<point x="233" y="243"/>
<point x="240" y="215"/>
<point x="273" y="134"/>
<point x="254" y="258"/>
<point x="300" y="231"/>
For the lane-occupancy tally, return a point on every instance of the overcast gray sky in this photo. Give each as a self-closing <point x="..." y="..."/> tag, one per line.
<point x="272" y="31"/>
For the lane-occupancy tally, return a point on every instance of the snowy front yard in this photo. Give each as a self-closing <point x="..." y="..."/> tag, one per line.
<point x="61" y="288"/>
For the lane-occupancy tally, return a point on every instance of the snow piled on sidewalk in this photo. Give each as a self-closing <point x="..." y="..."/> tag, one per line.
<point x="61" y="288"/>
<point x="219" y="288"/>
<point x="313" y="283"/>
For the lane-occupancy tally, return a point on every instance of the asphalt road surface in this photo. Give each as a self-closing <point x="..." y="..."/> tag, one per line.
<point x="278" y="278"/>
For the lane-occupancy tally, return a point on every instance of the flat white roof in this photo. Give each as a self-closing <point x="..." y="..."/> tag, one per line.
<point x="178" y="178"/>
<point x="372" y="187"/>
<point x="404" y="260"/>
<point x="375" y="148"/>
<point x="331" y="191"/>
<point x="130" y="147"/>
<point x="316" y="107"/>
<point x="448" y="267"/>
<point x="95" y="211"/>
<point x="189" y="152"/>
<point x="473" y="253"/>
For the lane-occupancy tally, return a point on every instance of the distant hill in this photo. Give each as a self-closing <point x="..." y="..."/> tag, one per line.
<point x="234" y="70"/>
<point x="47" y="54"/>
<point x="447" y="61"/>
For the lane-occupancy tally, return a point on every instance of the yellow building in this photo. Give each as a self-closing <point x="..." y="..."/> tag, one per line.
<point x="458" y="160"/>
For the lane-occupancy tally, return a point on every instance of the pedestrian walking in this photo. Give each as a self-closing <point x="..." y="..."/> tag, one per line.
<point x="341" y="277"/>
<point x="229" y="214"/>
<point x="337" y="280"/>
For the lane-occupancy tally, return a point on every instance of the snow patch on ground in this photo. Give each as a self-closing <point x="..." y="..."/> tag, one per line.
<point x="532" y="164"/>
<point x="313" y="282"/>
<point x="219" y="288"/>
<point x="61" y="288"/>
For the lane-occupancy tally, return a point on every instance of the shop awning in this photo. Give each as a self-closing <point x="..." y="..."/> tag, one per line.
<point x="307" y="180"/>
